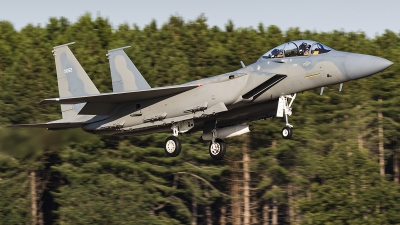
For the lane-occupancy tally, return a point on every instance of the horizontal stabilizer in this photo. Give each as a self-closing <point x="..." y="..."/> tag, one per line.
<point x="121" y="97"/>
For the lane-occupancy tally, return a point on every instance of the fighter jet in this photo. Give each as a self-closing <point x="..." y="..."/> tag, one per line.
<point x="219" y="106"/>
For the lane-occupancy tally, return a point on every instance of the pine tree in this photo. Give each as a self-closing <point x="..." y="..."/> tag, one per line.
<point x="350" y="191"/>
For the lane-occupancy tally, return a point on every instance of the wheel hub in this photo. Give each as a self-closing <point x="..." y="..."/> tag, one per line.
<point x="170" y="146"/>
<point x="215" y="149"/>
<point x="285" y="132"/>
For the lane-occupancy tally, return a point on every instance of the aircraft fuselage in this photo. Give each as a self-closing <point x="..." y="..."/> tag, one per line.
<point x="302" y="73"/>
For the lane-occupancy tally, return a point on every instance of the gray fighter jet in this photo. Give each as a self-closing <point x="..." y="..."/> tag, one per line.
<point x="220" y="106"/>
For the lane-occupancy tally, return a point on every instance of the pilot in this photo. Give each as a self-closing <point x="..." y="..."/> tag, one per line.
<point x="276" y="53"/>
<point x="304" y="49"/>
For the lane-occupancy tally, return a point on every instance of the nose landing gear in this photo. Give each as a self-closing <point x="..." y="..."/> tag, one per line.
<point x="284" y="108"/>
<point x="287" y="132"/>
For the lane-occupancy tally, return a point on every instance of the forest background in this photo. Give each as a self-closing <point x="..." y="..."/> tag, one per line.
<point x="340" y="167"/>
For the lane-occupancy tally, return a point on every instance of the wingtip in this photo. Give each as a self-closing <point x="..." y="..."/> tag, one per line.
<point x="43" y="102"/>
<point x="48" y="101"/>
<point x="17" y="126"/>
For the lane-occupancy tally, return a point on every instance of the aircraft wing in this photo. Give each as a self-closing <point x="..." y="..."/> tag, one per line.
<point x="50" y="126"/>
<point x="121" y="97"/>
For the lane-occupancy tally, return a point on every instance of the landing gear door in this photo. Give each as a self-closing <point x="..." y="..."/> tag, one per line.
<point x="281" y="105"/>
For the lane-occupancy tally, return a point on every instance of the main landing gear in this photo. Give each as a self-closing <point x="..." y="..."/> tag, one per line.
<point x="217" y="148"/>
<point x="173" y="146"/>
<point x="284" y="109"/>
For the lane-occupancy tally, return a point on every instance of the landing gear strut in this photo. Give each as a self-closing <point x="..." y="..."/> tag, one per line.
<point x="284" y="108"/>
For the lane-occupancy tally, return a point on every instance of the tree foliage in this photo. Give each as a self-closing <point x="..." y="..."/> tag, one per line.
<point x="327" y="174"/>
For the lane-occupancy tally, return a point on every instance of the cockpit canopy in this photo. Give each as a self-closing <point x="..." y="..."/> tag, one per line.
<point x="297" y="48"/>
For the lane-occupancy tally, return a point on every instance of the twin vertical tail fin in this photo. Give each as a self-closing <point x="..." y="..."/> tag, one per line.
<point x="124" y="74"/>
<point x="72" y="80"/>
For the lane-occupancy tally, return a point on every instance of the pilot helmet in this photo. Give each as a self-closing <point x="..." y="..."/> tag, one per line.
<point x="275" y="52"/>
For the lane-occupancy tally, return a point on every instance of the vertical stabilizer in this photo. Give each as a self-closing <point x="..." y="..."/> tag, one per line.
<point x="72" y="80"/>
<point x="124" y="74"/>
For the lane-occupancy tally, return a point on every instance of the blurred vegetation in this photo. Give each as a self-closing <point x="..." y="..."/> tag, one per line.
<point x="327" y="174"/>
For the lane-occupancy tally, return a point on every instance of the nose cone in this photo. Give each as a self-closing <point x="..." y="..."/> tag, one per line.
<point x="359" y="65"/>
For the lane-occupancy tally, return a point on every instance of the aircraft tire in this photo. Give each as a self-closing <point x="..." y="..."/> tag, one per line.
<point x="172" y="146"/>
<point x="287" y="132"/>
<point x="217" y="150"/>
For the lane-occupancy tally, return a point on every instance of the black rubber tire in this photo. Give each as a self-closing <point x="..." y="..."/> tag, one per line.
<point x="172" y="146"/>
<point x="222" y="149"/>
<point x="287" y="132"/>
